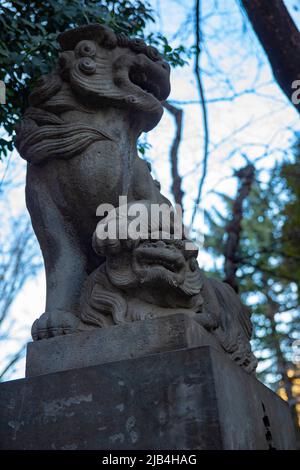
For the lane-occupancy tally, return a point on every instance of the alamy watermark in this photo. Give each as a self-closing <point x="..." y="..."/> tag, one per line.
<point x="141" y="220"/>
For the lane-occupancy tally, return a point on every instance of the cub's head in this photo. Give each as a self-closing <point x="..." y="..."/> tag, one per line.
<point x="161" y="272"/>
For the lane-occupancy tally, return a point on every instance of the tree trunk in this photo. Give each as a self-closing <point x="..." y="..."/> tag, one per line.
<point x="234" y="227"/>
<point x="280" y="39"/>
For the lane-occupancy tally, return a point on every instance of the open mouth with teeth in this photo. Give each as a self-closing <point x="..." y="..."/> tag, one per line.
<point x="151" y="77"/>
<point x="143" y="84"/>
<point x="159" y="255"/>
<point x="139" y="78"/>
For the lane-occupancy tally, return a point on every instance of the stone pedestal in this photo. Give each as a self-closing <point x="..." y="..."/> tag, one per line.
<point x="127" y="341"/>
<point x="183" y="398"/>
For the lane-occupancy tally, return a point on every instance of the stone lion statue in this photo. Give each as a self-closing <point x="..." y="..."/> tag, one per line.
<point x="79" y="137"/>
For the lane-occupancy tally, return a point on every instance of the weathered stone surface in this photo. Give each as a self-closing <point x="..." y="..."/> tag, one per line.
<point x="116" y="343"/>
<point x="187" y="399"/>
<point x="79" y="136"/>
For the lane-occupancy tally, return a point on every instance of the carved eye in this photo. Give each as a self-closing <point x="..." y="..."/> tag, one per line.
<point x="85" y="49"/>
<point x="152" y="53"/>
<point x="87" y="65"/>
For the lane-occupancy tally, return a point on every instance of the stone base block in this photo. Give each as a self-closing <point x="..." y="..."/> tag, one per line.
<point x="102" y="345"/>
<point x="183" y="399"/>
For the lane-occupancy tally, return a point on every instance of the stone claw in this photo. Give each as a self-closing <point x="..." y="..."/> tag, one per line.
<point x="54" y="323"/>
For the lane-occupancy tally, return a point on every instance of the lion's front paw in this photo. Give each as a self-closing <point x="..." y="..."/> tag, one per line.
<point x="58" y="322"/>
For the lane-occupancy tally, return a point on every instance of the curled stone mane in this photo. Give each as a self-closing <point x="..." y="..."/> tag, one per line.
<point x="105" y="37"/>
<point x="96" y="69"/>
<point x="42" y="134"/>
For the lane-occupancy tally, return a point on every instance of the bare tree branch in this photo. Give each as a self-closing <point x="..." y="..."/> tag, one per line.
<point x="12" y="361"/>
<point x="203" y="106"/>
<point x="176" y="178"/>
<point x="20" y="260"/>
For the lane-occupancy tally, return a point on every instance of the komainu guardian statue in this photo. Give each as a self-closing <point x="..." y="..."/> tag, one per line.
<point x="79" y="137"/>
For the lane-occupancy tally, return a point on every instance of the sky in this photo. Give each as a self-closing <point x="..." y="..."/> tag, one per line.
<point x="247" y="113"/>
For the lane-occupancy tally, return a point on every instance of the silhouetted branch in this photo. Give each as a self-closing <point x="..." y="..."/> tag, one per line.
<point x="203" y="107"/>
<point x="20" y="260"/>
<point x="14" y="359"/>
<point x="176" y="178"/>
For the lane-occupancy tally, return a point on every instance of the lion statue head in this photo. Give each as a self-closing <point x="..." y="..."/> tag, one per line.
<point x="97" y="69"/>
